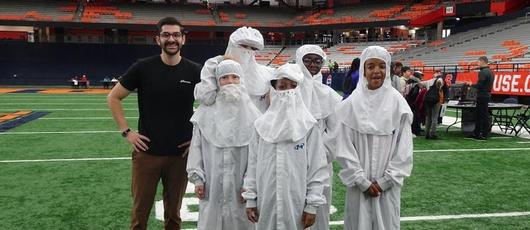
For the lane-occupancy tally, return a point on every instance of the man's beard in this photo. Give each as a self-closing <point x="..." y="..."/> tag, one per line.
<point x="170" y="52"/>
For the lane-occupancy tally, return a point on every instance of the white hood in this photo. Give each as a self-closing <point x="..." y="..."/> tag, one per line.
<point x="229" y="121"/>
<point x="319" y="99"/>
<point x="257" y="76"/>
<point x="378" y="111"/>
<point x="287" y="118"/>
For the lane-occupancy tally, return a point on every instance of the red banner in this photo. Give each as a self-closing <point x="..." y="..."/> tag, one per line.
<point x="429" y="18"/>
<point x="508" y="83"/>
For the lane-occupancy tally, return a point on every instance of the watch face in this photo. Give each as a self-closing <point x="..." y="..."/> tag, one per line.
<point x="124" y="133"/>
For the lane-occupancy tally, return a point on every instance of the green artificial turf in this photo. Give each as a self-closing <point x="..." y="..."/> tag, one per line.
<point x="96" y="194"/>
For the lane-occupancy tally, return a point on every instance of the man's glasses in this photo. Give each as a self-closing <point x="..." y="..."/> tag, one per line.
<point x="248" y="47"/>
<point x="308" y="61"/>
<point x="167" y="35"/>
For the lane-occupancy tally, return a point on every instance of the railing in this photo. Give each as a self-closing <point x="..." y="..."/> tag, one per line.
<point x="495" y="67"/>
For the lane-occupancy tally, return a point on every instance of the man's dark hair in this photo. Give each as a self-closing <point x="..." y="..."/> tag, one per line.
<point x="484" y="59"/>
<point x="398" y="64"/>
<point x="169" y="21"/>
<point x="404" y="69"/>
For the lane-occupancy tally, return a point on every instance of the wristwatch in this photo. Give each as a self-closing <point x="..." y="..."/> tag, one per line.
<point x="124" y="133"/>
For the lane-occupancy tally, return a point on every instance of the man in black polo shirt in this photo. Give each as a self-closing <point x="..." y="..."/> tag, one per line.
<point x="165" y="86"/>
<point x="483" y="86"/>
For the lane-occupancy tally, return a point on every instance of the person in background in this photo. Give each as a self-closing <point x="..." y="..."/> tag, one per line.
<point x="106" y="82"/>
<point x="84" y="81"/>
<point x="417" y="76"/>
<point x="433" y="102"/>
<point x="396" y="74"/>
<point x="351" y="79"/>
<point x="412" y="92"/>
<point x="407" y="73"/>
<point x="75" y="82"/>
<point x="483" y="86"/>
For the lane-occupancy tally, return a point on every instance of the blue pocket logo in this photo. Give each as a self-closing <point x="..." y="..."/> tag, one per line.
<point x="299" y="146"/>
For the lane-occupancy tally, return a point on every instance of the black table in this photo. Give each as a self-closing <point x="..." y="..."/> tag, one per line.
<point x="500" y="114"/>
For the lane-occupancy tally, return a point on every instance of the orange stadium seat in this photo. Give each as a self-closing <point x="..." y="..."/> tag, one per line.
<point x="476" y="53"/>
<point x="417" y="63"/>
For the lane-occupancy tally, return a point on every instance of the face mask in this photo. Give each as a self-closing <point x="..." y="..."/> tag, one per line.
<point x="242" y="55"/>
<point x="230" y="93"/>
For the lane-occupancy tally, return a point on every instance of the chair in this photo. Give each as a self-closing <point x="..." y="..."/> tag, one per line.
<point x="522" y="121"/>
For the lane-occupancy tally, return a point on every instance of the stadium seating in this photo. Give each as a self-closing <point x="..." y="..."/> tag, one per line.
<point x="507" y="41"/>
<point x="261" y="17"/>
<point x="147" y="14"/>
<point x="343" y="53"/>
<point x="37" y="10"/>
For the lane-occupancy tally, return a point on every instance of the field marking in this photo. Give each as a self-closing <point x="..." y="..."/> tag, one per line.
<point x="65" y="103"/>
<point x="81" y="118"/>
<point x="469" y="150"/>
<point x="58" y="132"/>
<point x="64" y="99"/>
<point x="65" y="109"/>
<point x="452" y="217"/>
<point x="67" y="159"/>
<point x="501" y="137"/>
<point x="523" y="142"/>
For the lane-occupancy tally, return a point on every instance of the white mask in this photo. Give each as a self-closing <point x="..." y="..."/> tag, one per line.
<point x="230" y="93"/>
<point x="287" y="118"/>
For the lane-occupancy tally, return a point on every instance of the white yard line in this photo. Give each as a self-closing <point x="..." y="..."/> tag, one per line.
<point x="523" y="142"/>
<point x="64" y="109"/>
<point x="82" y="118"/>
<point x="64" y="103"/>
<point x="451" y="217"/>
<point x="67" y="159"/>
<point x="102" y="99"/>
<point x="59" y="132"/>
<point x="469" y="150"/>
<point x="419" y="218"/>
<point x="501" y="137"/>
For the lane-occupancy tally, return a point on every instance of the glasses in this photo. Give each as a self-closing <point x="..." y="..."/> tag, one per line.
<point x="248" y="47"/>
<point x="167" y="35"/>
<point x="308" y="61"/>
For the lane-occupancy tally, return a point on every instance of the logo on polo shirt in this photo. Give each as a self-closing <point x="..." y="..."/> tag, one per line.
<point x="184" y="81"/>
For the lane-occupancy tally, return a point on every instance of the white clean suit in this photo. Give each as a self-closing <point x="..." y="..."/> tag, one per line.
<point x="373" y="142"/>
<point x="287" y="162"/>
<point x="219" y="153"/>
<point x="256" y="77"/>
<point x="321" y="101"/>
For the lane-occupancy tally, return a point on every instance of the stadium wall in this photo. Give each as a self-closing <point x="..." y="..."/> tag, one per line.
<point x="56" y="63"/>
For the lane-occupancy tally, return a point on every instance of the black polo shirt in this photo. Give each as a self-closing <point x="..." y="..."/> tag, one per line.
<point x="165" y="101"/>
